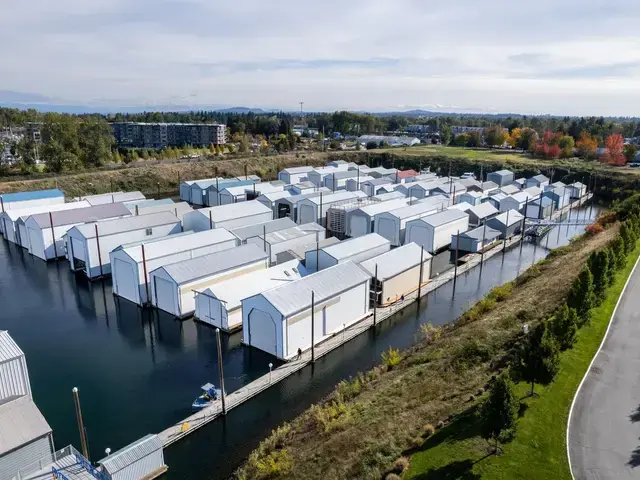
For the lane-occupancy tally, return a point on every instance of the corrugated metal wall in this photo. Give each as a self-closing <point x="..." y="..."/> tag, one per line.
<point x="141" y="468"/>
<point x="14" y="379"/>
<point x="23" y="457"/>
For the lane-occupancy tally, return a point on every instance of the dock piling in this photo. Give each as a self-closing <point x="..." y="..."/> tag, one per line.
<point x="221" y="372"/>
<point x="83" y="433"/>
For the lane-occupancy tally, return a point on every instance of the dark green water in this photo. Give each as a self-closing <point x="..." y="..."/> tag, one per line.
<point x="138" y="371"/>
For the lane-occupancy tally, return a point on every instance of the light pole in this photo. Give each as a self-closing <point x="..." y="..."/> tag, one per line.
<point x="270" y="367"/>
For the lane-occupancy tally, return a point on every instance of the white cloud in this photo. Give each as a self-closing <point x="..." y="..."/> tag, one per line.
<point x="570" y="57"/>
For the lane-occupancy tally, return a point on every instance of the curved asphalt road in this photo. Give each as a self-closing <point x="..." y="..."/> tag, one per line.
<point x="604" y="428"/>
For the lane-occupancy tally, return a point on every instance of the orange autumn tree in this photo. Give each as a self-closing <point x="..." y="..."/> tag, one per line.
<point x="587" y="146"/>
<point x="614" y="155"/>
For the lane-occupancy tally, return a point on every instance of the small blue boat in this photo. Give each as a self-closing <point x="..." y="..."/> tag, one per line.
<point x="209" y="394"/>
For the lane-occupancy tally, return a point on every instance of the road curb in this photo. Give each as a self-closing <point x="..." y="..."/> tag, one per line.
<point x="604" y="339"/>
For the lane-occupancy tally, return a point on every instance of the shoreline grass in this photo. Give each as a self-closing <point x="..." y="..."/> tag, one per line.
<point x="539" y="449"/>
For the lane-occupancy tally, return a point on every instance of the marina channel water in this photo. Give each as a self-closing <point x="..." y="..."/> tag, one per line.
<point x="139" y="370"/>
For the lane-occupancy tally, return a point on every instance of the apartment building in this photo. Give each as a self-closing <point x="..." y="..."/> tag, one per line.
<point x="160" y="135"/>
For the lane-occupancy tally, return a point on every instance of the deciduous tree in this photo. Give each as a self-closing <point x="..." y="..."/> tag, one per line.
<point x="613" y="155"/>
<point x="447" y="132"/>
<point x="630" y="151"/>
<point x="587" y="146"/>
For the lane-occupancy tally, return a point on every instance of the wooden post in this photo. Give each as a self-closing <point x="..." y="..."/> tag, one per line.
<point x="217" y="189"/>
<point x="264" y="240"/>
<point x="595" y="180"/>
<point x="313" y="323"/>
<point x="506" y="235"/>
<point x="2" y="203"/>
<point x="146" y="279"/>
<point x="245" y="171"/>
<point x="53" y="237"/>
<point x="83" y="433"/>
<point x="455" y="271"/>
<point x="210" y="221"/>
<point x="421" y="272"/>
<point x="137" y="211"/>
<point x="375" y="297"/>
<point x="321" y="210"/>
<point x="484" y="239"/>
<point x="221" y="371"/>
<point x="317" y="252"/>
<point x="99" y="253"/>
<point x="334" y="181"/>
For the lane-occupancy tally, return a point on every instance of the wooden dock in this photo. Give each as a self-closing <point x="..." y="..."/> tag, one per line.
<point x="193" y="422"/>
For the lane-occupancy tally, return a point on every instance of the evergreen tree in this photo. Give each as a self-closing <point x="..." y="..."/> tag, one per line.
<point x="628" y="236"/>
<point x="538" y="360"/>
<point x="499" y="413"/>
<point x="611" y="265"/>
<point x="564" y="326"/>
<point x="617" y="247"/>
<point x="582" y="297"/>
<point x="599" y="266"/>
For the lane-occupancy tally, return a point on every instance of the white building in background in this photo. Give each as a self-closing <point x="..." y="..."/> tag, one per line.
<point x="355" y="250"/>
<point x="46" y="241"/>
<point x="10" y="201"/>
<point x="112" y="197"/>
<point x="9" y="218"/>
<point x="132" y="263"/>
<point x="314" y="209"/>
<point x="89" y="244"/>
<point x="294" y="174"/>
<point x="278" y="321"/>
<point x="393" y="141"/>
<point x="227" y="216"/>
<point x="220" y="305"/>
<point x="281" y="241"/>
<point x="397" y="272"/>
<point x="434" y="232"/>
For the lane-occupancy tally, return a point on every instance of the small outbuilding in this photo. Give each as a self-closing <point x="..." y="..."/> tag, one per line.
<point x="375" y="185"/>
<point x="361" y="220"/>
<point x="434" y="232"/>
<point x="489" y="188"/>
<point x="302" y="187"/>
<point x="89" y="244"/>
<point x="561" y="197"/>
<point x="141" y="460"/>
<point x="514" y="202"/>
<point x="185" y="188"/>
<point x="314" y="209"/>
<point x="173" y="286"/>
<point x="392" y="224"/>
<point x="539" y="181"/>
<point x="354" y="184"/>
<point x="338" y="180"/>
<point x="131" y="263"/>
<point x="220" y="305"/>
<point x="11" y="201"/>
<point x="280" y="241"/>
<point x="45" y="231"/>
<point x="256" y="230"/>
<point x="212" y="192"/>
<point x="228" y="216"/>
<point x="288" y="206"/>
<point x="355" y="250"/>
<point x="243" y="193"/>
<point x="317" y="175"/>
<point x="396" y="273"/>
<point x="270" y="199"/>
<point x="278" y="321"/>
<point x="471" y="197"/>
<point x="476" y="240"/>
<point x="510" y="189"/>
<point x="479" y="214"/>
<point x="540" y="209"/>
<point x="9" y="218"/>
<point x="113" y="197"/>
<point x="294" y="174"/>
<point x="577" y="190"/>
<point x="501" y="178"/>
<point x="521" y="183"/>
<point x="508" y="223"/>
<point x="199" y="190"/>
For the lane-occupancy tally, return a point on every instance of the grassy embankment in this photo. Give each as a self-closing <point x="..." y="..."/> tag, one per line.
<point x="539" y="449"/>
<point x="370" y="421"/>
<point x="163" y="178"/>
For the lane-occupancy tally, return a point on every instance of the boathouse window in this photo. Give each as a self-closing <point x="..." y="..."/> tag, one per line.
<point x="149" y="231"/>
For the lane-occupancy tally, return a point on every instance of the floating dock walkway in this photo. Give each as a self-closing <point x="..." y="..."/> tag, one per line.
<point x="190" y="424"/>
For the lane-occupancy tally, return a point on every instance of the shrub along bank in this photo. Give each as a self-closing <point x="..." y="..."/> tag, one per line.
<point x="368" y="423"/>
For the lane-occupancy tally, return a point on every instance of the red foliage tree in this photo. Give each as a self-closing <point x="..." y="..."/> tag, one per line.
<point x="548" y="146"/>
<point x="614" y="154"/>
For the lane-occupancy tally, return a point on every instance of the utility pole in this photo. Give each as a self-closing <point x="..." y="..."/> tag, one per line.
<point x="301" y="104"/>
<point x="221" y="371"/>
<point x="421" y="267"/>
<point x="375" y="295"/>
<point x="83" y="433"/>
<point x="313" y="326"/>
<point x="455" y="265"/>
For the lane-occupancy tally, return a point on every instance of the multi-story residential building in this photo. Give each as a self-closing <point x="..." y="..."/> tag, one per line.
<point x="160" y="135"/>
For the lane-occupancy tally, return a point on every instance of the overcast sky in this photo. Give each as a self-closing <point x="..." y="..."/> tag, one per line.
<point x="576" y="57"/>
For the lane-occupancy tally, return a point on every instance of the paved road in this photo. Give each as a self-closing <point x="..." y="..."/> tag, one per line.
<point x="604" y="430"/>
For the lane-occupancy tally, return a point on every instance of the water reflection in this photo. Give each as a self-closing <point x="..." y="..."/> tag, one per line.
<point x="138" y="370"/>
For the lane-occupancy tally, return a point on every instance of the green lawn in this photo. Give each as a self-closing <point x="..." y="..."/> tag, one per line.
<point x="539" y="449"/>
<point x="470" y="153"/>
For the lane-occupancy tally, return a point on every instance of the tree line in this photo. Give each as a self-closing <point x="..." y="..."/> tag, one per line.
<point x="537" y="360"/>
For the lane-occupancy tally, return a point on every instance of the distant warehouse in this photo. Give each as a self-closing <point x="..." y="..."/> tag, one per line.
<point x="161" y="135"/>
